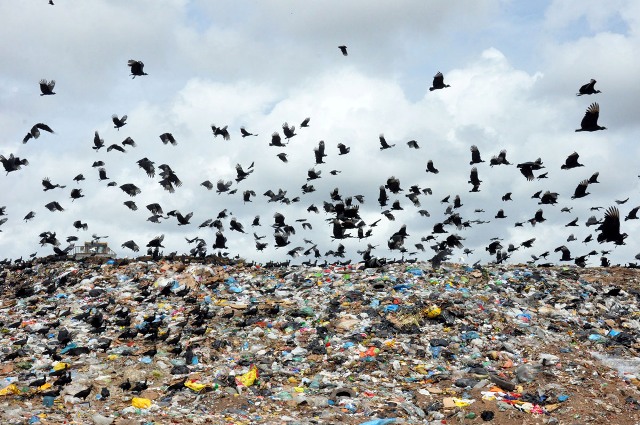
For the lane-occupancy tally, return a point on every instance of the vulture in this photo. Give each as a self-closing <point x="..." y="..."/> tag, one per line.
<point x="35" y="131"/>
<point x="590" y="120"/>
<point x="46" y="87"/>
<point x="588" y="88"/>
<point x="137" y="68"/>
<point x="438" y="82"/>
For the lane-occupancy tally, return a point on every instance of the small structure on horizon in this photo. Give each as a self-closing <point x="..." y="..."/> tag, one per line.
<point x="93" y="249"/>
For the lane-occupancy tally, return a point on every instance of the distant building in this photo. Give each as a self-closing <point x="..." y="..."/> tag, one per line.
<point x="93" y="249"/>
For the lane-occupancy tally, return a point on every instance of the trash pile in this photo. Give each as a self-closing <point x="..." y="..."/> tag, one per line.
<point x="143" y="342"/>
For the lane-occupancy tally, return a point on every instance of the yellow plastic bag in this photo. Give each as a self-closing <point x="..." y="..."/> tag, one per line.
<point x="60" y="365"/>
<point x="248" y="378"/>
<point x="141" y="403"/>
<point x="195" y="386"/>
<point x="11" y="389"/>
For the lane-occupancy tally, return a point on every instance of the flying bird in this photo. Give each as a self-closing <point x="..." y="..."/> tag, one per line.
<point x="46" y="87"/>
<point x="35" y="131"/>
<point x="305" y="122"/>
<point x="343" y="49"/>
<point x="343" y="149"/>
<point x="217" y="131"/>
<point x="413" y="144"/>
<point x="97" y="142"/>
<point x="571" y="162"/>
<point x="168" y="138"/>
<point x="590" y="120"/>
<point x="130" y="189"/>
<point x="54" y="206"/>
<point x="475" y="155"/>
<point x="245" y="133"/>
<point x="610" y="228"/>
<point x="383" y="143"/>
<point x="438" y="82"/>
<point x="431" y="168"/>
<point x="137" y="68"/>
<point x="588" y="88"/>
<point x="49" y="186"/>
<point x="118" y="122"/>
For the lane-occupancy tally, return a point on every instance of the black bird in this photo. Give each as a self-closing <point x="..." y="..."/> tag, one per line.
<point x="49" y="186"/>
<point x="289" y="131"/>
<point x="500" y="159"/>
<point x="130" y="189"/>
<point x="475" y="155"/>
<point x="35" y="131"/>
<point x="343" y="49"/>
<point x="131" y="205"/>
<point x="168" y="138"/>
<point x="383" y="143"/>
<point x="118" y="122"/>
<point x="566" y="254"/>
<point x="588" y="88"/>
<point x="131" y="245"/>
<point x="13" y="163"/>
<point x="116" y="147"/>
<point x="527" y="168"/>
<point x="610" y="228"/>
<point x="137" y="68"/>
<point x="590" y="120"/>
<point x="46" y="87"/>
<point x="413" y="144"/>
<point x="572" y="162"/>
<point x="129" y="142"/>
<point x="102" y="174"/>
<point x="104" y="393"/>
<point x="54" y="206"/>
<point x="474" y="180"/>
<point x="594" y="178"/>
<point x="276" y="140"/>
<point x="147" y="166"/>
<point x="97" y="142"/>
<point x="245" y="133"/>
<point x="76" y="194"/>
<point x="581" y="190"/>
<point x="438" y="82"/>
<point x="84" y="393"/>
<point x="633" y="214"/>
<point x="343" y="149"/>
<point x="305" y="122"/>
<point x="217" y="131"/>
<point x="431" y="168"/>
<point x="507" y="197"/>
<point x="80" y="225"/>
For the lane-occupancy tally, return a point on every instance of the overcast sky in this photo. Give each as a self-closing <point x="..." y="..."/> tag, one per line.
<point x="514" y="69"/>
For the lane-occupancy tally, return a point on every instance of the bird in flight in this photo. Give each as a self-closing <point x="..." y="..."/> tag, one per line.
<point x="590" y="120"/>
<point x="35" y="131"/>
<point x="46" y="87"/>
<point x="137" y="68"/>
<point x="343" y="49"/>
<point x="438" y="82"/>
<point x="588" y="88"/>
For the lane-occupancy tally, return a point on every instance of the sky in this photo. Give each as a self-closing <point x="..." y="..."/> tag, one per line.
<point x="514" y="69"/>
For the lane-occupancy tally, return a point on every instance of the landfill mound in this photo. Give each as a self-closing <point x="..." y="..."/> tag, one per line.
<point x="179" y="342"/>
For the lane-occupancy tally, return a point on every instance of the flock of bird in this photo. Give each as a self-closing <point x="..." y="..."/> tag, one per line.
<point x="342" y="212"/>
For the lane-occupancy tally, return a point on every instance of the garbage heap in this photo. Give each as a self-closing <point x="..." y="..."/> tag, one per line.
<point x="184" y="343"/>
